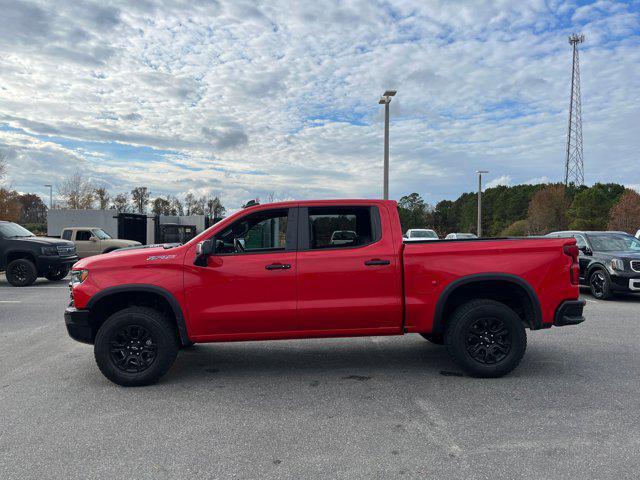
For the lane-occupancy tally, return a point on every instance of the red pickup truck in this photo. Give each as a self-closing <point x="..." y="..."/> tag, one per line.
<point x="279" y="271"/>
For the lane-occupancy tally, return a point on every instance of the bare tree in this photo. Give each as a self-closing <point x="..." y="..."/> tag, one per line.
<point x="189" y="203"/>
<point x="215" y="209"/>
<point x="77" y="192"/>
<point x="121" y="203"/>
<point x="140" y="199"/>
<point x="176" y="205"/>
<point x="161" y="206"/>
<point x="103" y="197"/>
<point x="3" y="165"/>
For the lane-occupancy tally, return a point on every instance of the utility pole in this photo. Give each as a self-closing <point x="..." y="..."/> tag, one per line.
<point x="574" y="164"/>
<point x="50" y="196"/>
<point x="480" y="172"/>
<point x="386" y="100"/>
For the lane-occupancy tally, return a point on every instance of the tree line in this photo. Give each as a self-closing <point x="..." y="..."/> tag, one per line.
<point x="76" y="192"/>
<point x="522" y="210"/>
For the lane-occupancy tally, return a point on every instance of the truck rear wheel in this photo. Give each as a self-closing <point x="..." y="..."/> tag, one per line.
<point x="57" y="273"/>
<point x="21" y="273"/>
<point x="135" y="346"/>
<point x="486" y="338"/>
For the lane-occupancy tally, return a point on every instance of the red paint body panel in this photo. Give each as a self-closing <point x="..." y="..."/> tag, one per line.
<point x="328" y="292"/>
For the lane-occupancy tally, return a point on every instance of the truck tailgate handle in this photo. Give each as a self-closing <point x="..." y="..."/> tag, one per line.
<point x="377" y="261"/>
<point x="278" y="266"/>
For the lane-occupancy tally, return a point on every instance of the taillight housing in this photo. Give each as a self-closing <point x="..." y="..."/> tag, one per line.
<point x="574" y="271"/>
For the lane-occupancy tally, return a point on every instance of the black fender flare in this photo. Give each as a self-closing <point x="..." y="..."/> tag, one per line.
<point x="438" y="320"/>
<point x="595" y="266"/>
<point x="143" y="287"/>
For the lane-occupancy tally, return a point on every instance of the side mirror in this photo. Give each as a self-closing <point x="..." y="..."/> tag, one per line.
<point x="93" y="239"/>
<point x="203" y="250"/>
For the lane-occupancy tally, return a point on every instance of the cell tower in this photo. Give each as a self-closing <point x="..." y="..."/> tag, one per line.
<point x="574" y="165"/>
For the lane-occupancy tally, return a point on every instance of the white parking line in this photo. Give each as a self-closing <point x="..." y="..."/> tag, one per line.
<point x="10" y="301"/>
<point x="592" y="301"/>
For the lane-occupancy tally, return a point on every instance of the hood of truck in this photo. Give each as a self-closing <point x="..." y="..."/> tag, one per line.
<point x="44" y="241"/>
<point x="133" y="257"/>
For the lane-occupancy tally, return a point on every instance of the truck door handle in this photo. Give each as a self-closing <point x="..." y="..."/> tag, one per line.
<point x="278" y="266"/>
<point x="377" y="261"/>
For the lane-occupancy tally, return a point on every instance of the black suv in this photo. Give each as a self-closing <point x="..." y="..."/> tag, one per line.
<point x="25" y="257"/>
<point x="609" y="261"/>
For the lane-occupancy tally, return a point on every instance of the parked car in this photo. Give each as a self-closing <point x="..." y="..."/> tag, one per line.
<point x="342" y="237"/>
<point x="420" y="234"/>
<point x="638" y="234"/>
<point x="609" y="261"/>
<point x="458" y="236"/>
<point x="25" y="257"/>
<point x="93" y="241"/>
<point x="270" y="272"/>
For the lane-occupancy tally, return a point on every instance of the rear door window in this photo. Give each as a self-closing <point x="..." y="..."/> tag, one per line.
<point x="340" y="227"/>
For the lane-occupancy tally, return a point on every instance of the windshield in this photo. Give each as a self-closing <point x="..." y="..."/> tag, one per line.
<point x="101" y="234"/>
<point x="614" y="243"/>
<point x="13" y="230"/>
<point x="423" y="234"/>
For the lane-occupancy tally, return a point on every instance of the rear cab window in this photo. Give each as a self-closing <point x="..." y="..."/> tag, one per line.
<point x="342" y="227"/>
<point x="66" y="234"/>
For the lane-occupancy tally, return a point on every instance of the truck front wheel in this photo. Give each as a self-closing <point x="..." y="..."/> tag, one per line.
<point x="21" y="273"/>
<point x="56" y="274"/>
<point x="135" y="346"/>
<point x="486" y="338"/>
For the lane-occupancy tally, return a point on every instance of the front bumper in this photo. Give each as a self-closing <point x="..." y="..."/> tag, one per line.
<point x="45" y="262"/>
<point x="78" y="325"/>
<point x="569" y="313"/>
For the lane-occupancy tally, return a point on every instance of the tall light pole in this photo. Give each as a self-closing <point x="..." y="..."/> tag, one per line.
<point x="386" y="100"/>
<point x="480" y="172"/>
<point x="50" y="196"/>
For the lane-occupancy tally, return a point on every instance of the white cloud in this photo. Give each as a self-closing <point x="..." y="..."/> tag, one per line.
<point x="501" y="180"/>
<point x="250" y="99"/>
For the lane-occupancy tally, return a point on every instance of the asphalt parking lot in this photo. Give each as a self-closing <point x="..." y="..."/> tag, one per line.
<point x="345" y="408"/>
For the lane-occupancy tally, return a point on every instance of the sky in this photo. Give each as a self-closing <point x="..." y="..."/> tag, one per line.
<point x="276" y="99"/>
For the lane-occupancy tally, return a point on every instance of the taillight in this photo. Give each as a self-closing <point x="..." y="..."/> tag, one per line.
<point x="574" y="272"/>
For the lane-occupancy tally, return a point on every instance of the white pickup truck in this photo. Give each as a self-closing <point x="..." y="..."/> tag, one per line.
<point x="94" y="241"/>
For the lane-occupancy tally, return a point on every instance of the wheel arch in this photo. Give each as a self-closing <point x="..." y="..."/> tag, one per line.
<point x="593" y="267"/>
<point x="512" y="290"/>
<point x="111" y="299"/>
<point x="12" y="255"/>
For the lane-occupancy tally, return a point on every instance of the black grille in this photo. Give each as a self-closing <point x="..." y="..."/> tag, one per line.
<point x="64" y="251"/>
<point x="635" y="265"/>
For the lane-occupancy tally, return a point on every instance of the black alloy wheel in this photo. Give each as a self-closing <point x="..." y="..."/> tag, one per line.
<point x="600" y="285"/>
<point x="488" y="341"/>
<point x="486" y="338"/>
<point x="132" y="349"/>
<point x="21" y="272"/>
<point x="136" y="346"/>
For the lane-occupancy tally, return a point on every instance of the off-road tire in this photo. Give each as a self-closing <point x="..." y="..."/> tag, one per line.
<point x="21" y="272"/>
<point x="434" y="338"/>
<point x="501" y="326"/>
<point x="600" y="284"/>
<point x="57" y="274"/>
<point x="116" y="340"/>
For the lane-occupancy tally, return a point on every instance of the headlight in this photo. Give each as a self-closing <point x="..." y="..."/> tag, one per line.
<point x="617" y="264"/>
<point x="78" y="276"/>
<point x="50" y="250"/>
